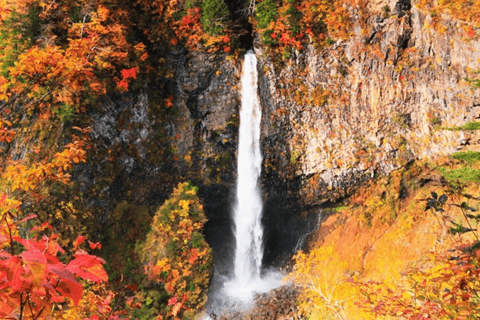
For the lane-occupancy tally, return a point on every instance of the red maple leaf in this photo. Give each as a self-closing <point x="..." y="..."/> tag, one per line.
<point x="129" y="73"/>
<point x="123" y="85"/>
<point x="172" y="301"/>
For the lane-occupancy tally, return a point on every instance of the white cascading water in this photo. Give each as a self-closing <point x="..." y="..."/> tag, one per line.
<point x="247" y="213"/>
<point x="248" y="207"/>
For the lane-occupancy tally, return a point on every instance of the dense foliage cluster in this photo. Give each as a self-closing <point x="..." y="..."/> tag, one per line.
<point x="176" y="254"/>
<point x="446" y="286"/>
<point x="287" y="24"/>
<point x="215" y="17"/>
<point x="440" y="285"/>
<point x="57" y="60"/>
<point x="321" y="298"/>
<point x="465" y="11"/>
<point x="38" y="279"/>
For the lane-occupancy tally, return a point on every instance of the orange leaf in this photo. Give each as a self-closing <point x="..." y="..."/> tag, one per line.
<point x="168" y="102"/>
<point x="96" y="245"/>
<point x="123" y="85"/>
<point x="176" y="309"/>
<point x="79" y="241"/>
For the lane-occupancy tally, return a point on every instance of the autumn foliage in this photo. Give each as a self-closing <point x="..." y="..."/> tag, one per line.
<point x="465" y="11"/>
<point x="176" y="254"/>
<point x="34" y="279"/>
<point x="38" y="278"/>
<point x="388" y="256"/>
<point x="57" y="61"/>
<point x="293" y="24"/>
<point x="67" y="63"/>
<point x="446" y="285"/>
<point x="321" y="297"/>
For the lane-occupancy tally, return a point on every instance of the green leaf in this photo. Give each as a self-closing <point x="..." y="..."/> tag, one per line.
<point x="459" y="229"/>
<point x="473" y="216"/>
<point x="443" y="198"/>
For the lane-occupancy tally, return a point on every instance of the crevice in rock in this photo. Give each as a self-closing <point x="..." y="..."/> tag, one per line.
<point x="247" y="38"/>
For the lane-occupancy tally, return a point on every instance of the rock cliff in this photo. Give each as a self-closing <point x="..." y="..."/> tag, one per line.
<point x="370" y="104"/>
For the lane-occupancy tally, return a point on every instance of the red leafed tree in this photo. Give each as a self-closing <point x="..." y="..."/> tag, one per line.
<point x="33" y="278"/>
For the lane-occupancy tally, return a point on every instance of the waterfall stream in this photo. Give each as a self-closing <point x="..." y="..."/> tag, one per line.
<point x="248" y="207"/>
<point x="247" y="213"/>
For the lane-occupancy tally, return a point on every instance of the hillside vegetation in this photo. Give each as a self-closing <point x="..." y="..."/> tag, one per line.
<point x="404" y="247"/>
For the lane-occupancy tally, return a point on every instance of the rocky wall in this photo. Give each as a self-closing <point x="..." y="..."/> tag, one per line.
<point x="365" y="106"/>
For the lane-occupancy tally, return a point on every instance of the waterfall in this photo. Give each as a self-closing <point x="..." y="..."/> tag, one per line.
<point x="247" y="213"/>
<point x="248" y="208"/>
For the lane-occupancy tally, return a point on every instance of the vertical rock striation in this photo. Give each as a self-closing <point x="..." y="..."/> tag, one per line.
<point x="369" y="105"/>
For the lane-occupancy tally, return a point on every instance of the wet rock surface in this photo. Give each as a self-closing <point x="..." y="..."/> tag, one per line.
<point x="278" y="304"/>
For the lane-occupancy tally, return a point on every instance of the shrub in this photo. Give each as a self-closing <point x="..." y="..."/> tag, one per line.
<point x="266" y="13"/>
<point x="39" y="279"/>
<point x="468" y="156"/>
<point x="215" y="16"/>
<point x="471" y="126"/>
<point x="467" y="126"/>
<point x="175" y="252"/>
<point x="461" y="174"/>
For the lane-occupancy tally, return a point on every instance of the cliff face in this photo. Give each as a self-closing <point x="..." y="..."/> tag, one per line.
<point x="369" y="105"/>
<point x="183" y="127"/>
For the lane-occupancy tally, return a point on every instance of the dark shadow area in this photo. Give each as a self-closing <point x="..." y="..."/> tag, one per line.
<point x="285" y="222"/>
<point x="247" y="39"/>
<point x="217" y="204"/>
<point x="241" y="27"/>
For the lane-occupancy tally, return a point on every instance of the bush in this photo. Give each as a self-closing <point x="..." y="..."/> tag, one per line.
<point x="266" y="13"/>
<point x="175" y="252"/>
<point x="215" y="16"/>
<point x="468" y="156"/>
<point x="471" y="126"/>
<point x="467" y="126"/>
<point x="461" y="174"/>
